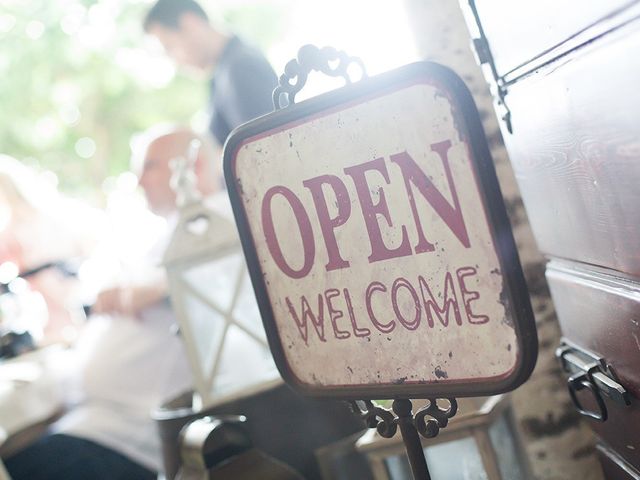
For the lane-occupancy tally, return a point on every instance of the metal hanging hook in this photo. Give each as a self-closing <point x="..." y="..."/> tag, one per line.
<point x="328" y="60"/>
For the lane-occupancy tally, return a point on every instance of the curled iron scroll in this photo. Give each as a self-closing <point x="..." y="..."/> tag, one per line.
<point x="431" y="418"/>
<point x="327" y="60"/>
<point x="376" y="417"/>
<point x="428" y="420"/>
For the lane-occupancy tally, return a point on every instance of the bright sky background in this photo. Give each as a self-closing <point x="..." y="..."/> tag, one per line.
<point x="377" y="31"/>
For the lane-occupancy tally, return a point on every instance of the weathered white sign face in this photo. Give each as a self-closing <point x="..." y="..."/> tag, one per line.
<point x="374" y="250"/>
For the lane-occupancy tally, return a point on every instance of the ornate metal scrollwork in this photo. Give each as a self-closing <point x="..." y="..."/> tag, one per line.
<point x="431" y="418"/>
<point x="327" y="60"/>
<point x="428" y="420"/>
<point x="376" y="417"/>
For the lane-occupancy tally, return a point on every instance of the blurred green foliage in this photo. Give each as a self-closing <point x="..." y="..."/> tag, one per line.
<point x="77" y="80"/>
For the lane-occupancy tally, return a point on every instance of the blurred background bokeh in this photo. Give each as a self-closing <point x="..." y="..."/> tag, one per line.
<point x="78" y="77"/>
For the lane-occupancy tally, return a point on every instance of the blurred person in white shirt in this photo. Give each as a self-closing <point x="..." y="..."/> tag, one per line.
<point x="131" y="359"/>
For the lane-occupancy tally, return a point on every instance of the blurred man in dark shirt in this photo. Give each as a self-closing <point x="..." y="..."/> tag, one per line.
<point x="242" y="78"/>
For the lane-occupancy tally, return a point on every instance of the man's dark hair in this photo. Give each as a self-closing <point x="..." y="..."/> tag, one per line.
<point x="167" y="13"/>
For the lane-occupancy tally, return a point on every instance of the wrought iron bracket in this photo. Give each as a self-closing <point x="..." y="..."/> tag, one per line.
<point x="427" y="422"/>
<point x="327" y="60"/>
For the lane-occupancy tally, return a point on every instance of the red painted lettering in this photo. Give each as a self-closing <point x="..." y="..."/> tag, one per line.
<point x="397" y="284"/>
<point x="327" y="223"/>
<point x="306" y="314"/>
<point x="450" y="303"/>
<point x="304" y="227"/>
<point x="452" y="215"/>
<point x="357" y="331"/>
<point x="335" y="314"/>
<point x="383" y="327"/>
<point x="469" y="296"/>
<point x="371" y="211"/>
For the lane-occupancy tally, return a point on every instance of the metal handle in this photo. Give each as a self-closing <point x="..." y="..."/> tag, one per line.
<point x="590" y="372"/>
<point x="207" y="441"/>
<point x="327" y="60"/>
<point x="581" y="382"/>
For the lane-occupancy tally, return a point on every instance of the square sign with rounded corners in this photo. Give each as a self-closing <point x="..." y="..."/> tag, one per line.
<point x="378" y="242"/>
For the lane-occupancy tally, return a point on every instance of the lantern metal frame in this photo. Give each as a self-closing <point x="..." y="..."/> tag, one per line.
<point x="190" y="248"/>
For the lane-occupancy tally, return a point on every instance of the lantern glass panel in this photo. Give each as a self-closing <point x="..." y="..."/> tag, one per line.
<point x="463" y="453"/>
<point x="504" y="442"/>
<point x="216" y="279"/>
<point x="207" y="326"/>
<point x="454" y="460"/>
<point x="246" y="310"/>
<point x="243" y="362"/>
<point x="225" y="324"/>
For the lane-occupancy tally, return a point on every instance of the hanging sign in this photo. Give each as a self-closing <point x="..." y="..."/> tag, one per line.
<point x="378" y="243"/>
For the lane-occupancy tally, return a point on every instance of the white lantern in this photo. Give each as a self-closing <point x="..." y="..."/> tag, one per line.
<point x="212" y="296"/>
